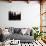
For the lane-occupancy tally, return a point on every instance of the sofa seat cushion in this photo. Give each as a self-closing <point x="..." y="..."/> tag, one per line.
<point x="21" y="37"/>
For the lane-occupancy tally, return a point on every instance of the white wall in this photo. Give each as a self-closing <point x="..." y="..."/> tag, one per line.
<point x="30" y="14"/>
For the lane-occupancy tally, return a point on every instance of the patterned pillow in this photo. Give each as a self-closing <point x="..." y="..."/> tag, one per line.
<point x="17" y="30"/>
<point x="11" y="30"/>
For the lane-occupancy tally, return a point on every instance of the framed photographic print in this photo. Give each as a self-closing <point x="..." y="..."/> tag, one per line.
<point x="14" y="16"/>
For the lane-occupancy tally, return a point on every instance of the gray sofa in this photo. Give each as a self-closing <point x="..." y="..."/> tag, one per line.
<point x="22" y="38"/>
<point x="17" y="35"/>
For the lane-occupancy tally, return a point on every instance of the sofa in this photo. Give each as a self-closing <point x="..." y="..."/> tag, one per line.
<point x="22" y="34"/>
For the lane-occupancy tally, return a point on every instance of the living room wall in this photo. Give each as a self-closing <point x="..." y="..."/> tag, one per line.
<point x="30" y="14"/>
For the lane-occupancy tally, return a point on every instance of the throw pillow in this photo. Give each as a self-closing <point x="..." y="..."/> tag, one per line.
<point x="11" y="30"/>
<point x="23" y="31"/>
<point x="17" y="30"/>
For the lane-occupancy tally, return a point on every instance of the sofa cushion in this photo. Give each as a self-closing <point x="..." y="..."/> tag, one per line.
<point x="11" y="30"/>
<point x="23" y="31"/>
<point x="17" y="30"/>
<point x="26" y="31"/>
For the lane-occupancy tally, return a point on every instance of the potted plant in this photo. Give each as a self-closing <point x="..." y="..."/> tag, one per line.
<point x="37" y="33"/>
